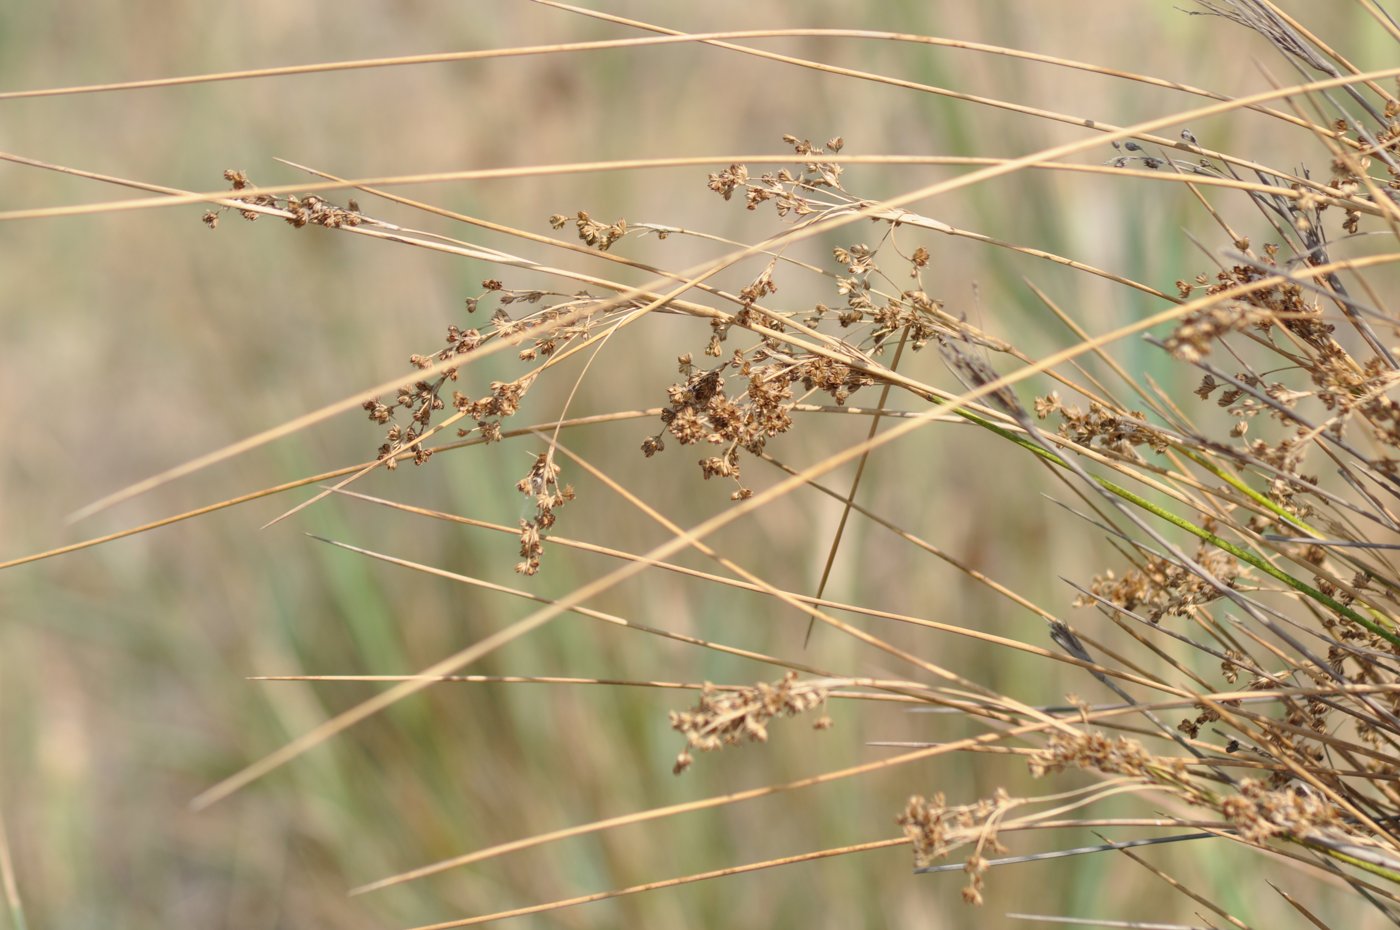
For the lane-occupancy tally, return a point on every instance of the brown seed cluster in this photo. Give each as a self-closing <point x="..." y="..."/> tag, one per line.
<point x="420" y="399"/>
<point x="600" y="236"/>
<point x="745" y="400"/>
<point x="702" y="408"/>
<point x="307" y="210"/>
<point x="1117" y="756"/>
<point x="1161" y="587"/>
<point x="935" y="829"/>
<point x="540" y="332"/>
<point x="927" y="822"/>
<point x="729" y="717"/>
<point x="891" y="310"/>
<point x="1191" y="726"/>
<point x="1250" y="396"/>
<point x="541" y="485"/>
<point x="1261" y="813"/>
<point x="1101" y="428"/>
<point x="552" y="322"/>
<point x="1351" y="393"/>
<point x="788" y="191"/>
<point x="1194" y="335"/>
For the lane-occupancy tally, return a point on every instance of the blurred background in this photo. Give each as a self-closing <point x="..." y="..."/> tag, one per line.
<point x="136" y="341"/>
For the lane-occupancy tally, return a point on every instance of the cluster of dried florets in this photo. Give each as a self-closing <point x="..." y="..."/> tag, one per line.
<point x="1194" y="335"/>
<point x="701" y="409"/>
<point x="540" y="332"/>
<point x="837" y="379"/>
<point x="1139" y="157"/>
<point x="706" y="407"/>
<point x="1302" y="717"/>
<point x="542" y="486"/>
<point x="543" y="332"/>
<point x="421" y="398"/>
<point x="1250" y="396"/>
<point x="488" y="411"/>
<point x="1351" y="174"/>
<point x="893" y="311"/>
<point x="600" y="236"/>
<point x="1260" y="813"/>
<point x="1281" y="303"/>
<point x="725" y="718"/>
<point x="935" y="829"/>
<point x="308" y="210"/>
<point x="1348" y="390"/>
<point x="1112" y="431"/>
<point x="790" y="192"/>
<point x="1162" y="587"/>
<point x="1073" y="749"/>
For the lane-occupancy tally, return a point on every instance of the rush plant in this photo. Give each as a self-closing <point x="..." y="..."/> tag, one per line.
<point x="1221" y="451"/>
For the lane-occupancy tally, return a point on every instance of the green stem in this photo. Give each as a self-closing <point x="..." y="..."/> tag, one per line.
<point x="1372" y="867"/>
<point x="1238" y="484"/>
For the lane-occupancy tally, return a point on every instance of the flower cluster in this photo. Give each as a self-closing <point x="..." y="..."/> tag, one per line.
<point x="702" y="409"/>
<point x="600" y="236"/>
<point x="935" y="829"/>
<point x="1162" y="587"/>
<point x="304" y="211"/>
<point x="728" y="717"/>
<point x="542" y="486"/>
<point x="1117" y="756"/>
<point x="789" y="191"/>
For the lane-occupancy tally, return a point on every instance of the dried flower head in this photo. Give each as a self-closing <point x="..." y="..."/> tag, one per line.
<point x="728" y="717"/>
<point x="935" y="829"/>
<point x="1163" y="587"/>
<point x="541" y="484"/>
